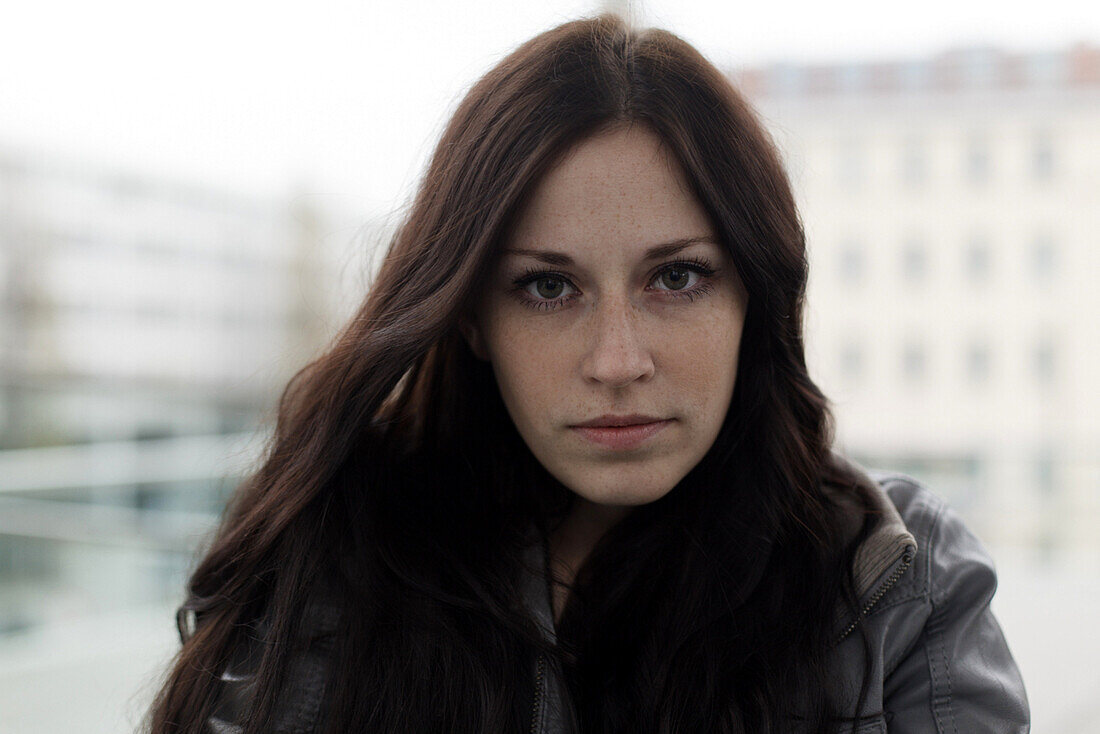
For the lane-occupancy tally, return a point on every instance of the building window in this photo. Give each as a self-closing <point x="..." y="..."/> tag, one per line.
<point x="914" y="162"/>
<point x="1045" y="480"/>
<point x="852" y="262"/>
<point x="977" y="362"/>
<point x="914" y="261"/>
<point x="851" y="361"/>
<point x="1042" y="156"/>
<point x="978" y="259"/>
<point x="785" y="79"/>
<point x="915" y="76"/>
<point x="914" y="362"/>
<point x="1044" y="70"/>
<point x="1043" y="365"/>
<point x="979" y="67"/>
<point x="850" y="163"/>
<point x="977" y="158"/>
<point x="820" y="80"/>
<point x="851" y="78"/>
<point x="1044" y="258"/>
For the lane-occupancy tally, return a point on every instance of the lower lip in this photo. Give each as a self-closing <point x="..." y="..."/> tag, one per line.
<point x="621" y="437"/>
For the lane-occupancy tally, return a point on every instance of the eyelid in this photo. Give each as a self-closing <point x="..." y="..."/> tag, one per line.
<point x="696" y="264"/>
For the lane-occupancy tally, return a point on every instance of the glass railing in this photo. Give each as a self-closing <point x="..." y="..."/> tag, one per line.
<point x="96" y="542"/>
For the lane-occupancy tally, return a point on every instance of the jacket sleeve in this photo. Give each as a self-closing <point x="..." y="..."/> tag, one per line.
<point x="959" y="677"/>
<point x="299" y="706"/>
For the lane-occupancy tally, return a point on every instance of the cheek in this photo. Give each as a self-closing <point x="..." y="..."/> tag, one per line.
<point x="528" y="370"/>
<point x="707" y="364"/>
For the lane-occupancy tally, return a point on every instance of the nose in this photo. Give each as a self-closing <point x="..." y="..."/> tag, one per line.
<point x="618" y="353"/>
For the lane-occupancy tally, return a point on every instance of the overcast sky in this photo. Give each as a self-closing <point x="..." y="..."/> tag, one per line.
<point x="343" y="99"/>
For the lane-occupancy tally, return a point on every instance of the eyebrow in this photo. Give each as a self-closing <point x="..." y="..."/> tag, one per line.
<point x="653" y="253"/>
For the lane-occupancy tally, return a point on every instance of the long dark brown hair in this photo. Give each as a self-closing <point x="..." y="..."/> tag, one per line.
<point x="396" y="484"/>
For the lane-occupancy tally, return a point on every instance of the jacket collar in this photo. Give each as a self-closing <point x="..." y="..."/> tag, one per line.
<point x="889" y="539"/>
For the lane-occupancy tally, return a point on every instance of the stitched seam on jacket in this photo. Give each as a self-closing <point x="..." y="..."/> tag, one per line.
<point x="934" y="699"/>
<point x="947" y="670"/>
<point x="941" y="686"/>
<point x="936" y="651"/>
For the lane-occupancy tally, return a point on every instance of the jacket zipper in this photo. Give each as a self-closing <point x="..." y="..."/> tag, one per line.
<point x="538" y="693"/>
<point x="906" y="561"/>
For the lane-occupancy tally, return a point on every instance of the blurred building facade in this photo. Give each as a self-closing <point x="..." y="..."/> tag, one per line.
<point x="952" y="209"/>
<point x="146" y="328"/>
<point x="123" y="295"/>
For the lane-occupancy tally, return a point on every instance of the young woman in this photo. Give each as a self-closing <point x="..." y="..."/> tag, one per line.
<point x="565" y="470"/>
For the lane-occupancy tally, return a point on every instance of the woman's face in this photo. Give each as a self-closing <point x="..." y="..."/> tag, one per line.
<point x="613" y="300"/>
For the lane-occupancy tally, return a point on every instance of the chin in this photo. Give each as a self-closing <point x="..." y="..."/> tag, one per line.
<point x="625" y="495"/>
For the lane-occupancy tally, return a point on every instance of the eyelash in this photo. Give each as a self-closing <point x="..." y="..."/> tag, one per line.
<point x="694" y="264"/>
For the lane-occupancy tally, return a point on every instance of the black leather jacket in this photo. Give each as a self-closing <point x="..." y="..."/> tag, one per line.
<point x="940" y="661"/>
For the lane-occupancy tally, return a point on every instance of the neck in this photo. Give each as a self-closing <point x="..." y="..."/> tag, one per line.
<point x="573" y="540"/>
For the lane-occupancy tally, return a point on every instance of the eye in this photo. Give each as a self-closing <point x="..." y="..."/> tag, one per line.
<point x="677" y="278"/>
<point x="686" y="278"/>
<point x="543" y="289"/>
<point x="549" y="287"/>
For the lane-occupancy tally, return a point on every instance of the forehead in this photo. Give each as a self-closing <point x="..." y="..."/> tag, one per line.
<point x="620" y="188"/>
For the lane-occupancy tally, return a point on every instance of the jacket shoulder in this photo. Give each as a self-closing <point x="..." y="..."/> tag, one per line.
<point x="950" y="667"/>
<point x="946" y="546"/>
<point x="918" y="505"/>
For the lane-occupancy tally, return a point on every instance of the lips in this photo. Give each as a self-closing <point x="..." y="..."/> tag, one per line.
<point x="617" y="421"/>
<point x="620" y="434"/>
